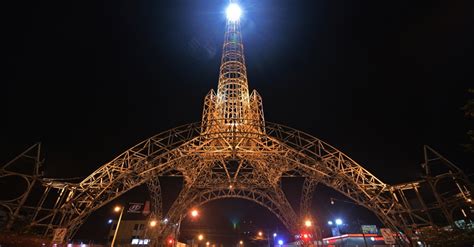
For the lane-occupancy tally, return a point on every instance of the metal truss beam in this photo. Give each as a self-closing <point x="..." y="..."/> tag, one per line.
<point x="154" y="188"/>
<point x="309" y="186"/>
<point x="233" y="153"/>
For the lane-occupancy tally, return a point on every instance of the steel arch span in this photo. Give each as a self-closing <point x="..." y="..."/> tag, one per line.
<point x="294" y="154"/>
<point x="234" y="153"/>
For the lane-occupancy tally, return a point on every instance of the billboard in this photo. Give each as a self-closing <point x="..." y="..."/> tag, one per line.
<point x="369" y="229"/>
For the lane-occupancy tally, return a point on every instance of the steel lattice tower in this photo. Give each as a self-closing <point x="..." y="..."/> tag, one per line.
<point x="232" y="153"/>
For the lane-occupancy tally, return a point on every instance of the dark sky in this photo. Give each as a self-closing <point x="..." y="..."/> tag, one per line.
<point x="377" y="79"/>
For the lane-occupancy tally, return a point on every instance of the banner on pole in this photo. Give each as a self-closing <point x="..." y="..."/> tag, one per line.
<point x="59" y="235"/>
<point x="387" y="235"/>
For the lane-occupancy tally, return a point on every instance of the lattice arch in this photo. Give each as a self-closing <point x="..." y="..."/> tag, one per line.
<point x="296" y="153"/>
<point x="273" y="200"/>
<point x="232" y="147"/>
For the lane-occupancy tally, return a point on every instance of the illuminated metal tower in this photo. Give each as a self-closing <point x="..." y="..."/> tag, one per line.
<point x="233" y="109"/>
<point x="233" y="153"/>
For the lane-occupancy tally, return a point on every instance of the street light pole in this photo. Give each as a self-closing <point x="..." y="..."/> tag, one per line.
<point x="362" y="230"/>
<point x="177" y="230"/>
<point x="358" y="221"/>
<point x="118" y="224"/>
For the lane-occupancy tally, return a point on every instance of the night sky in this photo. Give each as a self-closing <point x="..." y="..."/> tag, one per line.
<point x="376" y="79"/>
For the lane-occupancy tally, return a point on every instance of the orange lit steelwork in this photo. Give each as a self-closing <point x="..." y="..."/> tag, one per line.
<point x="233" y="153"/>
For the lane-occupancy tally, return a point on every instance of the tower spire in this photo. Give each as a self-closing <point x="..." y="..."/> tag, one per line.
<point x="233" y="108"/>
<point x="232" y="90"/>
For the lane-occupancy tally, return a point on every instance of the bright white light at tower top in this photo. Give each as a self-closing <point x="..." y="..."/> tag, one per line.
<point x="233" y="12"/>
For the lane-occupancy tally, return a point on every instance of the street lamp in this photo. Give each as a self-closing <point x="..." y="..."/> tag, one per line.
<point x="117" y="209"/>
<point x="330" y="223"/>
<point x="308" y="223"/>
<point x="200" y="237"/>
<point x="151" y="224"/>
<point x="207" y="243"/>
<point x="194" y="213"/>
<point x="338" y="222"/>
<point x="260" y="233"/>
<point x="241" y="242"/>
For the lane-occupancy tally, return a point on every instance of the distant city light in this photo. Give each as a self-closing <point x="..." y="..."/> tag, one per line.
<point x="200" y="237"/>
<point x="260" y="233"/>
<point x="338" y="222"/>
<point x="308" y="223"/>
<point x="280" y="242"/>
<point x="274" y="234"/>
<point x="233" y="12"/>
<point x="241" y="242"/>
<point x="153" y="223"/>
<point x="194" y="213"/>
<point x="165" y="220"/>
<point x="330" y="223"/>
<point x="372" y="238"/>
<point x="110" y="221"/>
<point x="117" y="208"/>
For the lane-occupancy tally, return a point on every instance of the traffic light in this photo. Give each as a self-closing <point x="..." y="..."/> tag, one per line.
<point x="304" y="236"/>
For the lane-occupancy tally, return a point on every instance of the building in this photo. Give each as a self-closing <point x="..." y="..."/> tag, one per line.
<point x="130" y="233"/>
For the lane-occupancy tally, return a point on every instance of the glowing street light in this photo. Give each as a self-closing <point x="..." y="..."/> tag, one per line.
<point x="260" y="233"/>
<point x="200" y="237"/>
<point x="274" y="235"/>
<point x="194" y="213"/>
<point x="308" y="223"/>
<point x="338" y="222"/>
<point x="280" y="242"/>
<point x="117" y="209"/>
<point x="233" y="12"/>
<point x="241" y="242"/>
<point x="207" y="243"/>
<point x="330" y="223"/>
<point x="153" y="223"/>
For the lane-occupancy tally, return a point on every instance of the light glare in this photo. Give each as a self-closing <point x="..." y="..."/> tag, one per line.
<point x="233" y="12"/>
